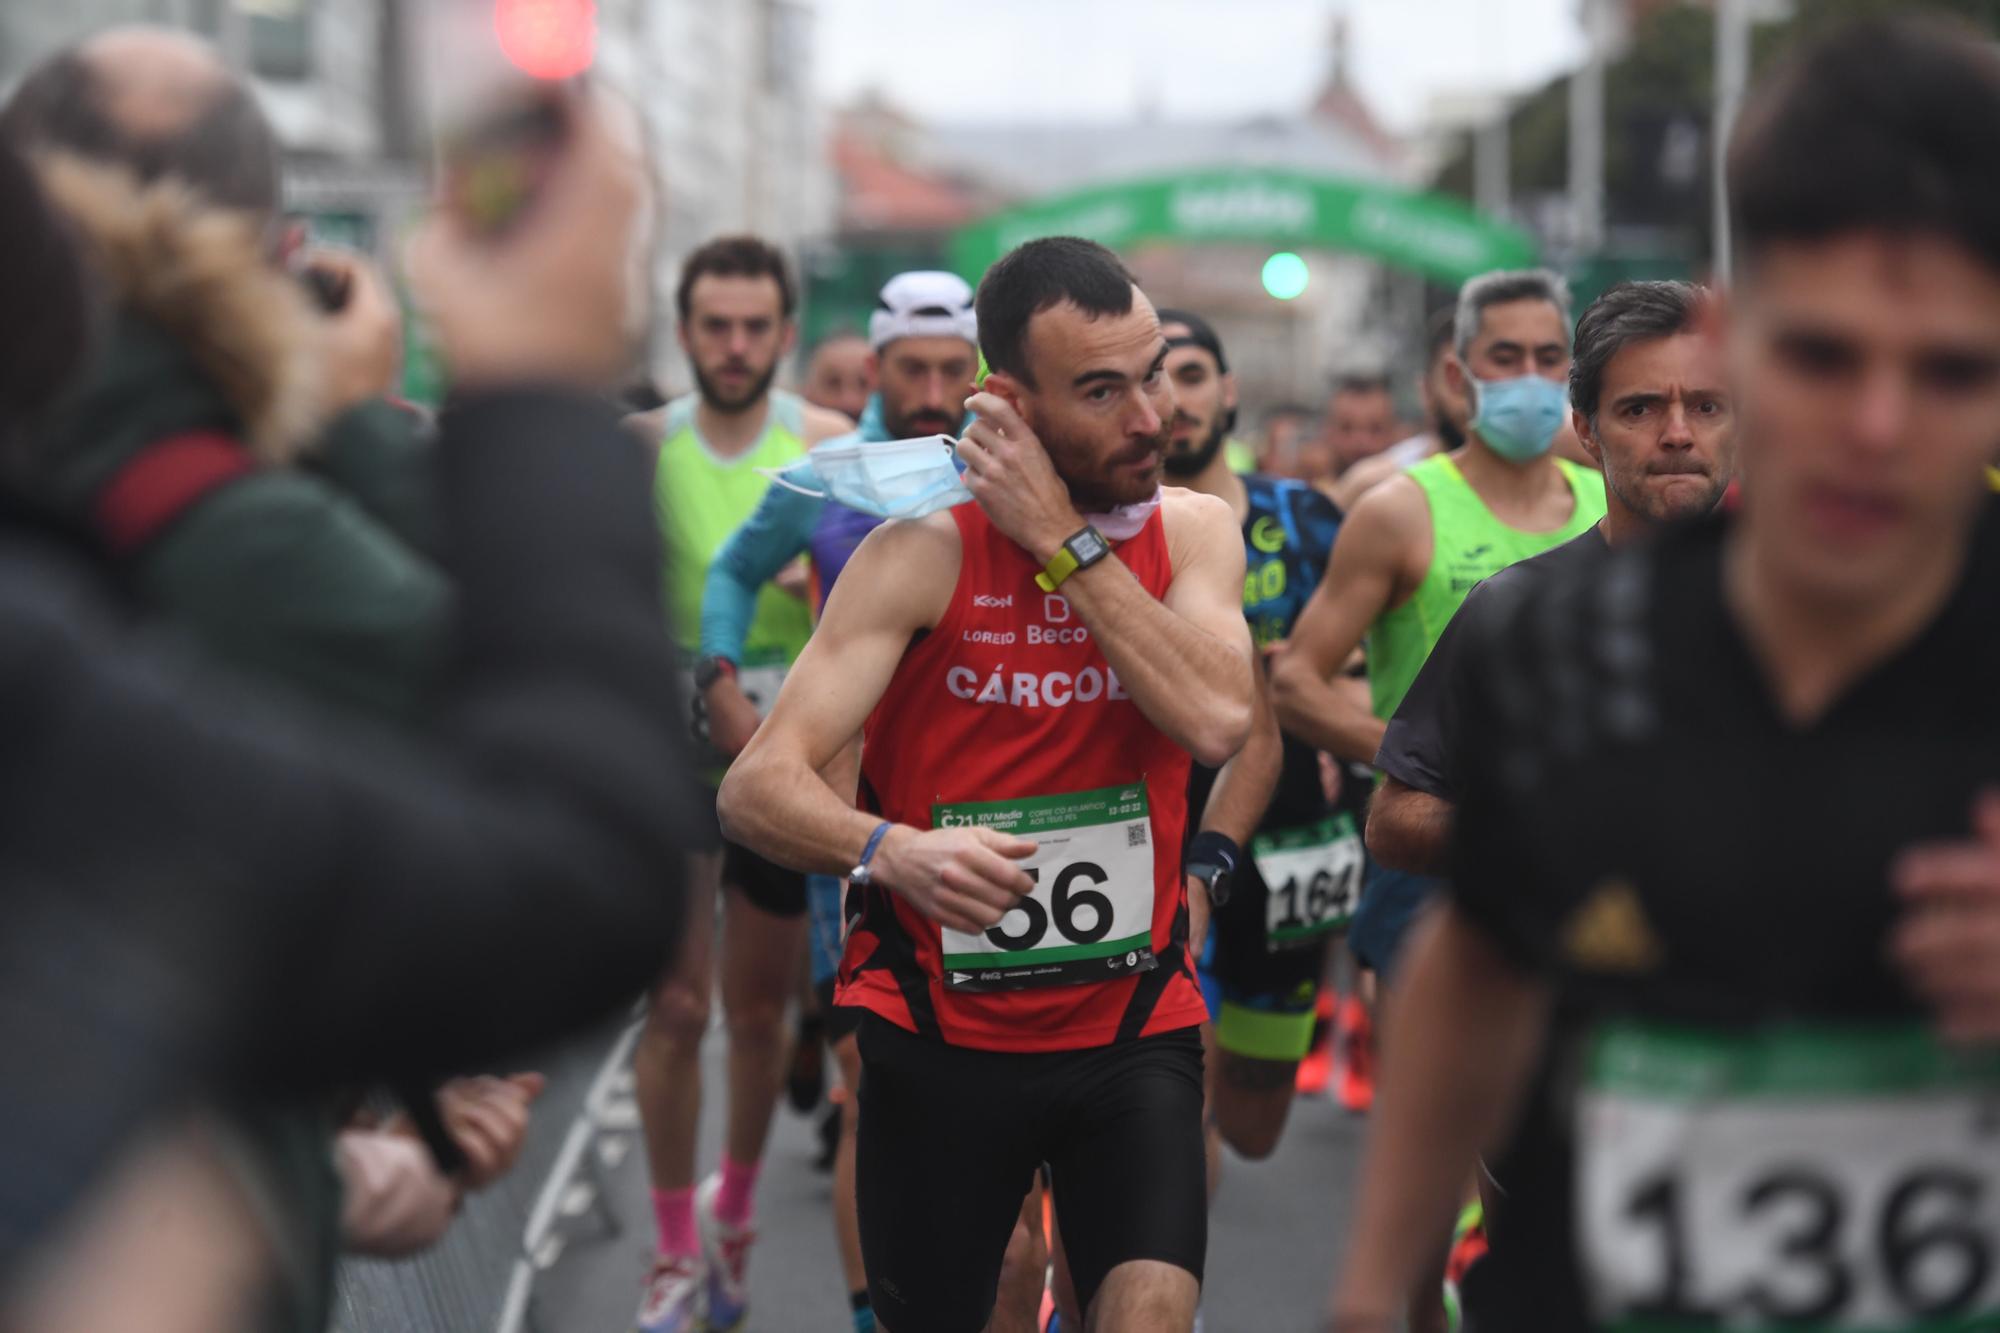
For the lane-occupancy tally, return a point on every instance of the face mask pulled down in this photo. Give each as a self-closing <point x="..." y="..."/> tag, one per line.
<point x="914" y="478"/>
<point x="885" y="478"/>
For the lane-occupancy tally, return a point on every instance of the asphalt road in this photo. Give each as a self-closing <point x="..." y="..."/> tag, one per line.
<point x="1276" y="1229"/>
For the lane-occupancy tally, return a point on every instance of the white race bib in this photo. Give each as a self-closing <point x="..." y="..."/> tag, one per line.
<point x="1090" y="917"/>
<point x="1313" y="879"/>
<point x="1805" y="1177"/>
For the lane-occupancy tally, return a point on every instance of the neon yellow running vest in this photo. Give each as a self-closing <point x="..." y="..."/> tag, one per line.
<point x="701" y="499"/>
<point x="1467" y="544"/>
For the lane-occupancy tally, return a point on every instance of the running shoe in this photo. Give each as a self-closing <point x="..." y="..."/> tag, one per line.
<point x="725" y="1254"/>
<point x="1468" y="1247"/>
<point x="1354" y="1057"/>
<point x="1316" y="1069"/>
<point x="672" y="1302"/>
<point x="1468" y="1241"/>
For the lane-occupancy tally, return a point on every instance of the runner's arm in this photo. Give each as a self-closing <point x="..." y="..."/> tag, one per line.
<point x="1346" y="491"/>
<point x="1185" y="660"/>
<point x="1244" y="787"/>
<point x="773" y="536"/>
<point x="775" y="799"/>
<point x="1359" y="584"/>
<point x="1409" y="829"/>
<point x="1468" y="1026"/>
<point x="1236" y="803"/>
<point x="1410" y="819"/>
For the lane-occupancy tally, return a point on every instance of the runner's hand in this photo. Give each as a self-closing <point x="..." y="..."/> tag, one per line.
<point x="1948" y="943"/>
<point x="964" y="878"/>
<point x="794" y="580"/>
<point x="732" y="718"/>
<point x="1009" y="473"/>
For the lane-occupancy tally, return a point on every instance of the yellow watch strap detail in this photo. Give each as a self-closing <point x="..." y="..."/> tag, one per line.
<point x="1061" y="565"/>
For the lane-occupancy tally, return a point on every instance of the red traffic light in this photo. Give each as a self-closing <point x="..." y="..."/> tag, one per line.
<point x="547" y="39"/>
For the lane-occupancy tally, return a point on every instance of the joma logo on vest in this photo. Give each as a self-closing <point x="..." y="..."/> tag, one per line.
<point x="1028" y="689"/>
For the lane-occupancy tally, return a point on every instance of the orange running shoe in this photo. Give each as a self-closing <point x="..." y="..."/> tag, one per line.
<point x="1354" y="1054"/>
<point x="1316" y="1070"/>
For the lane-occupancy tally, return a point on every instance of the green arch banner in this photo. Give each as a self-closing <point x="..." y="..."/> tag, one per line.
<point x="1434" y="234"/>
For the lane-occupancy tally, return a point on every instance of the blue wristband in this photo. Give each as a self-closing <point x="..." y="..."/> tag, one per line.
<point x="860" y="873"/>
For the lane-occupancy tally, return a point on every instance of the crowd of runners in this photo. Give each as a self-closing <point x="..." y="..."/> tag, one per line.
<point x="1612" y="763"/>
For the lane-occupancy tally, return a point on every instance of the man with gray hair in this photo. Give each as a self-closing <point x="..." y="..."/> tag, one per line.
<point x="1649" y="403"/>
<point x="1415" y="545"/>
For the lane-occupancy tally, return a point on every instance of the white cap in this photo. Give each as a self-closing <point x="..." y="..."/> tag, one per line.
<point x="925" y="303"/>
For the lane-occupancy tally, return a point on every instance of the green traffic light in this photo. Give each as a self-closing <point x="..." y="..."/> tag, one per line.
<point x="1285" y="275"/>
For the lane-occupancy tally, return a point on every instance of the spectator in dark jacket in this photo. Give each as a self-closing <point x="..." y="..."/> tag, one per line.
<point x="204" y="891"/>
<point x="304" y="554"/>
<point x="228" y="446"/>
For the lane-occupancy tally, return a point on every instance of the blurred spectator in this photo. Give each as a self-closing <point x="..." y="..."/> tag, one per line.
<point x="180" y="450"/>
<point x="1446" y="411"/>
<point x="232" y="887"/>
<point x="839" y="374"/>
<point x="217" y="377"/>
<point x="1360" y="419"/>
<point x="1283" y="428"/>
<point x="208" y="343"/>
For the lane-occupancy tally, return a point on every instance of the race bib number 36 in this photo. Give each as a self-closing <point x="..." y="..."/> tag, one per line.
<point x="1313" y="878"/>
<point x="1090" y="917"/>
<point x="1803" y="1177"/>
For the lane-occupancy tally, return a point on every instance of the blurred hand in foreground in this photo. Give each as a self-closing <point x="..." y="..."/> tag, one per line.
<point x="362" y="341"/>
<point x="549" y="300"/>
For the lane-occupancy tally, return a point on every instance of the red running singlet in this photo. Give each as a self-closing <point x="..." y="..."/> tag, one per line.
<point x="1006" y="714"/>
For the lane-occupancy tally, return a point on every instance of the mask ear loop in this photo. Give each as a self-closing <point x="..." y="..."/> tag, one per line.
<point x="777" y="475"/>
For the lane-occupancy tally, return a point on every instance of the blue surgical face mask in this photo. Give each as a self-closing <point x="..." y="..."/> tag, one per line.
<point x="1518" y="418"/>
<point x="886" y="478"/>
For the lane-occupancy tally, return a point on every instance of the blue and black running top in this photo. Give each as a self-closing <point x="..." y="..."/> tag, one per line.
<point x="1288" y="537"/>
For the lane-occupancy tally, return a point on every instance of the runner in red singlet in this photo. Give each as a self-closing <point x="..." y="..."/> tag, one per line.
<point x="1032" y="673"/>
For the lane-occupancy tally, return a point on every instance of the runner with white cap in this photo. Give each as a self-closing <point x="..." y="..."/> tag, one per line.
<point x="924" y="353"/>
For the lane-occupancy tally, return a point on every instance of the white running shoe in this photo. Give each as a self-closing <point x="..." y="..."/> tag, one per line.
<point x="673" y="1301"/>
<point x="725" y="1254"/>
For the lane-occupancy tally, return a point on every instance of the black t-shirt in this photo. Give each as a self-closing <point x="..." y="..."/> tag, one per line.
<point x="1740" y="1101"/>
<point x="1421" y="741"/>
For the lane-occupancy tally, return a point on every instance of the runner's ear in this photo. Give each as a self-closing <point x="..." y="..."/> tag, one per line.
<point x="1003" y="385"/>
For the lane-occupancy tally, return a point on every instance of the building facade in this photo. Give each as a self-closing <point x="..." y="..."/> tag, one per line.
<point x="724" y="91"/>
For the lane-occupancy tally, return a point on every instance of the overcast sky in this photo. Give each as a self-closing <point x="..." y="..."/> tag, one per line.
<point x="1104" y="59"/>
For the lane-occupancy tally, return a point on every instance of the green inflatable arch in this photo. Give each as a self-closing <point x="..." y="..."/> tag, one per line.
<point x="1436" y="235"/>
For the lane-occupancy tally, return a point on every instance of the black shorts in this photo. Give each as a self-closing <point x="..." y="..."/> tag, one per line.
<point x="950" y="1139"/>
<point x="769" y="886"/>
<point x="1263" y="1000"/>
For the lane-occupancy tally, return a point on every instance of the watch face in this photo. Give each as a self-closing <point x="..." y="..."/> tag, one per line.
<point x="1088" y="545"/>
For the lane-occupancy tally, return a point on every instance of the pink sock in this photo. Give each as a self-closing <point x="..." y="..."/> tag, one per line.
<point x="674" y="1211"/>
<point x="735" y="1203"/>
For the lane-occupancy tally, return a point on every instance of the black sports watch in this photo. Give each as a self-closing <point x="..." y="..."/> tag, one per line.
<point x="709" y="668"/>
<point x="1212" y="858"/>
<point x="1084" y="549"/>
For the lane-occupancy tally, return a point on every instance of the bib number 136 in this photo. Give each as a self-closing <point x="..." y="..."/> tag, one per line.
<point x="1837" y="1185"/>
<point x="1090" y="917"/>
